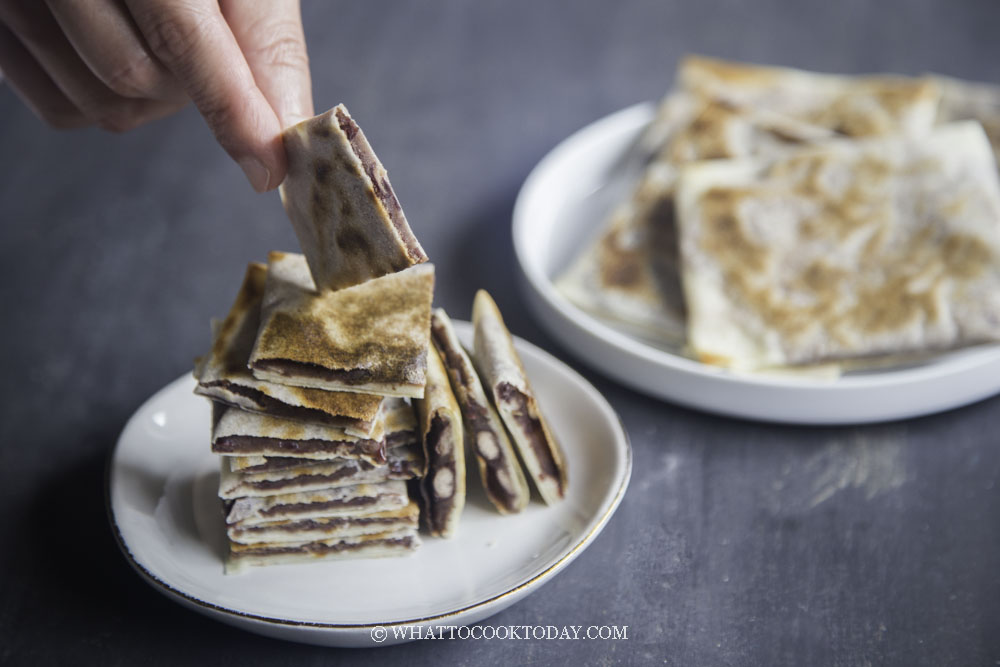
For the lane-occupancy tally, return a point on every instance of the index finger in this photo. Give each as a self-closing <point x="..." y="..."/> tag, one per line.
<point x="193" y="40"/>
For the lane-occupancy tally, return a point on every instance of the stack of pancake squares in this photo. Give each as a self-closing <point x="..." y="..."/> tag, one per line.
<point x="312" y="370"/>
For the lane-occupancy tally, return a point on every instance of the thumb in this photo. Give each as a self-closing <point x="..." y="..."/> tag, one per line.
<point x="270" y="34"/>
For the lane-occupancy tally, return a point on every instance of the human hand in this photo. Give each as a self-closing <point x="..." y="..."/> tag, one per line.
<point x="121" y="63"/>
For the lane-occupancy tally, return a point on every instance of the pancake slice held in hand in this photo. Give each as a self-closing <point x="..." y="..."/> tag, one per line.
<point x="503" y="374"/>
<point x="337" y="195"/>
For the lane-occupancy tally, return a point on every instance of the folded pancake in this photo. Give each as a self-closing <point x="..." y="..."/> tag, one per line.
<point x="337" y="195"/>
<point x="340" y="501"/>
<point x="485" y="435"/>
<point x="397" y="426"/>
<point x="404" y="463"/>
<point x="371" y="337"/>
<point x="709" y="128"/>
<point x="629" y="275"/>
<point x="443" y="483"/>
<point x="309" y="530"/>
<point x="223" y="374"/>
<point x="238" y="432"/>
<point x="855" y="106"/>
<point x="378" y="545"/>
<point x="965" y="100"/>
<point x="846" y="250"/>
<point x="501" y="371"/>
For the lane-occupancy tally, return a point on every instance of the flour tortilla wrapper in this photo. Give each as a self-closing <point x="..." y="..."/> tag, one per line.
<point x="403" y="463"/>
<point x="628" y="275"/>
<point x="340" y="501"/>
<point x="343" y="209"/>
<point x="502" y="372"/>
<point x="310" y="530"/>
<point x="848" y="250"/>
<point x="401" y="427"/>
<point x="853" y="106"/>
<point x="401" y="542"/>
<point x="397" y="427"/>
<point x="691" y="126"/>
<point x="440" y="419"/>
<point x="369" y="338"/>
<point x="485" y="435"/>
<point x="239" y="433"/>
<point x="223" y="374"/>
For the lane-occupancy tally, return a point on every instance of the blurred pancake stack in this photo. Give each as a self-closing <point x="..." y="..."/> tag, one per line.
<point x="789" y="220"/>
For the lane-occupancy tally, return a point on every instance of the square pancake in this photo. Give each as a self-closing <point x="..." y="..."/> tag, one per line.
<point x="238" y="433"/>
<point x="308" y="530"/>
<point x="223" y="374"/>
<point x="628" y="275"/>
<point x="403" y="463"/>
<point x="843" y="251"/>
<point x="340" y="501"/>
<point x="396" y="427"/>
<point x="369" y="338"/>
<point x="400" y="542"/>
<point x="343" y="209"/>
<point x="853" y="106"/>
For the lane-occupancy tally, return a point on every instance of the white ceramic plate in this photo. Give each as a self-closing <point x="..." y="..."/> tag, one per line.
<point x="162" y="485"/>
<point x="562" y="205"/>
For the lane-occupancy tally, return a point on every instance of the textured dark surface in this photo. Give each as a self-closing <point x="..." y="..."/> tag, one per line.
<point x="737" y="544"/>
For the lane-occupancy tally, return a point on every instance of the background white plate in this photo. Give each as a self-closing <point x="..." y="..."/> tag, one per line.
<point x="163" y="505"/>
<point x="562" y="205"/>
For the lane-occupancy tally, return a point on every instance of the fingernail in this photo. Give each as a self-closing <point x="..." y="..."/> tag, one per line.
<point x="258" y="175"/>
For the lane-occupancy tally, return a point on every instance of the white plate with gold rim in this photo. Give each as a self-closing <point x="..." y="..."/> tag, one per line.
<point x="161" y="497"/>
<point x="561" y="206"/>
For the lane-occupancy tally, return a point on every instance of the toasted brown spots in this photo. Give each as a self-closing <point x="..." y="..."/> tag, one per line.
<point x="246" y="305"/>
<point x="321" y="130"/>
<point x="894" y="282"/>
<point x="965" y="257"/>
<point x="620" y="266"/>
<point x="317" y="203"/>
<point x="322" y="170"/>
<point x="706" y="137"/>
<point x="354" y="243"/>
<point x="724" y="236"/>
<point x="734" y="73"/>
<point x="379" y="329"/>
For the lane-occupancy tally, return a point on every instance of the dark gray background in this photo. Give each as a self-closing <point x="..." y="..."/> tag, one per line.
<point x="737" y="543"/>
